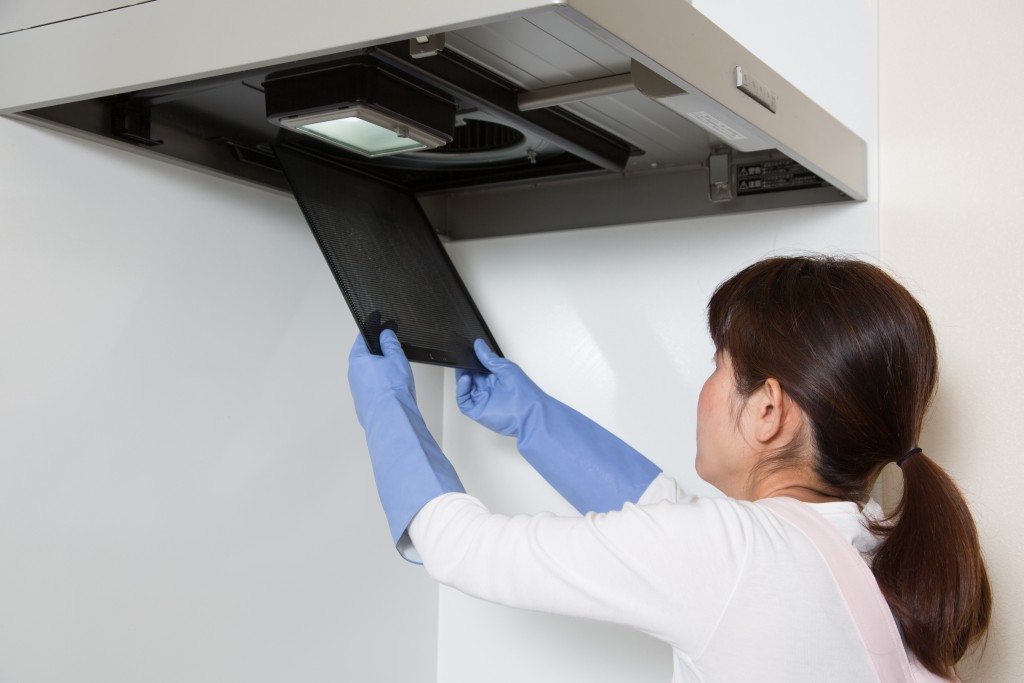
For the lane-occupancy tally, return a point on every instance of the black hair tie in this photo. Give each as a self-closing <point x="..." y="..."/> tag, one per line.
<point x="902" y="458"/>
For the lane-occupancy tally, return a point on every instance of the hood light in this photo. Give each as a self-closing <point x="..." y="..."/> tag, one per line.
<point x="362" y="107"/>
<point x="365" y="131"/>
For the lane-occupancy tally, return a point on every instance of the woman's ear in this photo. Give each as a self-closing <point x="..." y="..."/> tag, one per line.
<point x="774" y="415"/>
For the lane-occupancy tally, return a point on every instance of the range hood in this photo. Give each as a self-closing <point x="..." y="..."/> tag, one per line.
<point x="567" y="114"/>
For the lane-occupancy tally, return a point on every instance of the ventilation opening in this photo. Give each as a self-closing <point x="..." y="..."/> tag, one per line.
<point x="475" y="137"/>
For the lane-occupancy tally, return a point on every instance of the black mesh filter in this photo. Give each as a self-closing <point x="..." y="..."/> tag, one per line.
<point x="388" y="261"/>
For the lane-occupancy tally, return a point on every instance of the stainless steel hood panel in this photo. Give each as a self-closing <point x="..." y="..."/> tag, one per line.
<point x="540" y="50"/>
<point x="545" y="50"/>
<point x="649" y="126"/>
<point x="208" y="99"/>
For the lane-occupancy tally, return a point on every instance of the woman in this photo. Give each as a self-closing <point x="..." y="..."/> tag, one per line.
<point x="824" y="370"/>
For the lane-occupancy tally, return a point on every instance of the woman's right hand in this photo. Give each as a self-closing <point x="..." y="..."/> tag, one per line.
<point x="500" y="399"/>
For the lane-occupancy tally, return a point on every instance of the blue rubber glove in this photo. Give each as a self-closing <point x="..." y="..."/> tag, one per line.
<point x="589" y="466"/>
<point x="408" y="465"/>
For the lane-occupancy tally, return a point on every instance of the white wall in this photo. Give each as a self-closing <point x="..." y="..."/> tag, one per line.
<point x="950" y="215"/>
<point x="184" y="491"/>
<point x="612" y="322"/>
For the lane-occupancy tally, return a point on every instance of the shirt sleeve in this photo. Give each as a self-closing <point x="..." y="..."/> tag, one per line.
<point x="666" y="569"/>
<point x="663" y="488"/>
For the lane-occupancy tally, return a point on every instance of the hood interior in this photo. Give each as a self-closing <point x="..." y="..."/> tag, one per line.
<point x="542" y="106"/>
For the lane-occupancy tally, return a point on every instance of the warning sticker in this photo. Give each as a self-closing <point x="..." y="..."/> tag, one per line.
<point x="772" y="176"/>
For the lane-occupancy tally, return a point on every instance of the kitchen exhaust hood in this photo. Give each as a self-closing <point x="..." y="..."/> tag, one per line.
<point x="537" y="116"/>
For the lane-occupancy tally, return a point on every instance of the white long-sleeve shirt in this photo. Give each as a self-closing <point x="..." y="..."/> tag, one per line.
<point x="739" y="594"/>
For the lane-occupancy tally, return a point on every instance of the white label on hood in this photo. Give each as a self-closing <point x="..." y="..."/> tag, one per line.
<point x="716" y="126"/>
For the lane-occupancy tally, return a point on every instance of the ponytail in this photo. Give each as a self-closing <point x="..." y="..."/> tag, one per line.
<point x="930" y="569"/>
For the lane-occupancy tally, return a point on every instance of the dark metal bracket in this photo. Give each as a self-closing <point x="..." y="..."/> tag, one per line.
<point x="131" y="121"/>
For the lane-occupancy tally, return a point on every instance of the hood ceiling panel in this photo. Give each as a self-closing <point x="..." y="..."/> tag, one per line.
<point x="649" y="126"/>
<point x="545" y="50"/>
<point x="538" y="51"/>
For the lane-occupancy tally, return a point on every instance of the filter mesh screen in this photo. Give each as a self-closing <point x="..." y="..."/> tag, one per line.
<point x="388" y="261"/>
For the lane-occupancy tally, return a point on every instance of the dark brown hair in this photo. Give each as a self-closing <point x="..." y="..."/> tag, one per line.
<point x="856" y="353"/>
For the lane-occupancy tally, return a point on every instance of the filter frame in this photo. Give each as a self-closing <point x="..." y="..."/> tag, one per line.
<point x="387" y="260"/>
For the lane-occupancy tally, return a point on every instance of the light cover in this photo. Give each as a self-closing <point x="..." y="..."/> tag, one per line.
<point x="363" y="130"/>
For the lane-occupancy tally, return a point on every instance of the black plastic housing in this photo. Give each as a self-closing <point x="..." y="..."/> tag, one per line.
<point x="359" y="81"/>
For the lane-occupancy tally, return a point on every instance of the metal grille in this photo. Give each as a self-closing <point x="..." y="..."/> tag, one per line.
<point x="388" y="262"/>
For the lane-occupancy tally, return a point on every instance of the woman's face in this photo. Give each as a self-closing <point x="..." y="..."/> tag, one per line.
<point x="723" y="455"/>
